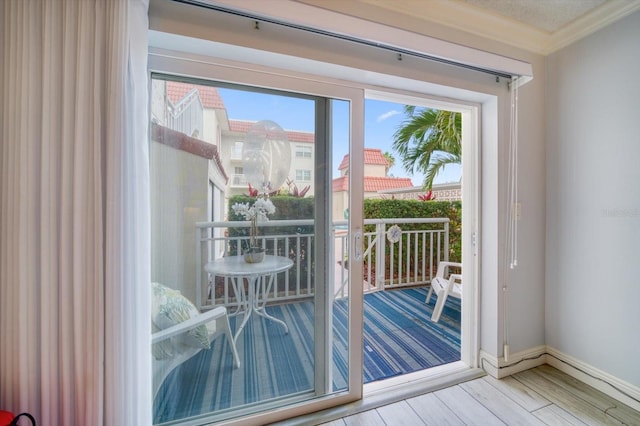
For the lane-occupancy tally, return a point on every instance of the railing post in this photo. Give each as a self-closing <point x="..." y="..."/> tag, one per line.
<point x="380" y="255"/>
<point x="199" y="267"/>
<point x="446" y="241"/>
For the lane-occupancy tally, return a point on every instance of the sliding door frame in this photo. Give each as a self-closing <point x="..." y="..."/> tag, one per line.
<point x="207" y="67"/>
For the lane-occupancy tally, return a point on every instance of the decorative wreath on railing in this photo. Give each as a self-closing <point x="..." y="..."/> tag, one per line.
<point x="393" y="234"/>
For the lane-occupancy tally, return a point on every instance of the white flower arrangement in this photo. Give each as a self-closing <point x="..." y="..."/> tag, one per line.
<point x="257" y="212"/>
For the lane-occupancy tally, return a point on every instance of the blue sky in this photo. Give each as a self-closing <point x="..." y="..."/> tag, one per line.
<point x="381" y="121"/>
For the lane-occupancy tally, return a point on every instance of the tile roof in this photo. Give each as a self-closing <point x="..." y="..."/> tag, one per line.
<point x="341" y="184"/>
<point x="182" y="142"/>
<point x="298" y="136"/>
<point x="240" y="126"/>
<point x="243" y="126"/>
<point x="373" y="184"/>
<point x="209" y="96"/>
<point x="372" y="156"/>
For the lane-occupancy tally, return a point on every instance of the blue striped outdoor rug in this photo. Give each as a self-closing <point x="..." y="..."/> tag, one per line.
<point x="399" y="338"/>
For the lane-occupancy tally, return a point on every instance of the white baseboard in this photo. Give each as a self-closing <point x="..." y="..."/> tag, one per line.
<point x="519" y="361"/>
<point x="610" y="385"/>
<point x="614" y="387"/>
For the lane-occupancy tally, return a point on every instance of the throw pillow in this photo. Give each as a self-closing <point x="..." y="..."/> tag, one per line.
<point x="170" y="307"/>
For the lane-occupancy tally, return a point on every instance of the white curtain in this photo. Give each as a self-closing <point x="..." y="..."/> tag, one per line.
<point x="74" y="211"/>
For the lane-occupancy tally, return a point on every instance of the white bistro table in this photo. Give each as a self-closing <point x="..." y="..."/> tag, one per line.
<point x="235" y="268"/>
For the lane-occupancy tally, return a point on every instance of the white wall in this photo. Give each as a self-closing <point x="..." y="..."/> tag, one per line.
<point x="178" y="185"/>
<point x="210" y="125"/>
<point x="593" y="200"/>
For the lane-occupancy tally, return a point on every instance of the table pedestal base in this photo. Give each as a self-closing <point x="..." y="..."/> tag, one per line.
<point x="250" y="303"/>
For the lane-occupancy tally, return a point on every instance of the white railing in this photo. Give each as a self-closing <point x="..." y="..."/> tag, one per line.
<point x="187" y="115"/>
<point x="412" y="261"/>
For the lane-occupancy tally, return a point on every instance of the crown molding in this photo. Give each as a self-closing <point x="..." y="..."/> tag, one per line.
<point x="598" y="18"/>
<point x="483" y="23"/>
<point x="472" y="20"/>
<point x="448" y="14"/>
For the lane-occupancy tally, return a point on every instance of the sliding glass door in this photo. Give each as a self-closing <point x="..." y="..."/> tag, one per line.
<point x="251" y="306"/>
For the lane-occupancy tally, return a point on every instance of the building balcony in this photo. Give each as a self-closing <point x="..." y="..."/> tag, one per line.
<point x="238" y="181"/>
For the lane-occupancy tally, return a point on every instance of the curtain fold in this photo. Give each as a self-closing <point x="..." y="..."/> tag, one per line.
<point x="74" y="211"/>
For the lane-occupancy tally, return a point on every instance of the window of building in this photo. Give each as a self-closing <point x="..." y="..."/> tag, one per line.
<point x="303" y="151"/>
<point x="303" y="175"/>
<point x="236" y="152"/>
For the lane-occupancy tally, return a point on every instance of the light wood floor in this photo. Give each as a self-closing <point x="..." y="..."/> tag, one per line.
<point x="540" y="396"/>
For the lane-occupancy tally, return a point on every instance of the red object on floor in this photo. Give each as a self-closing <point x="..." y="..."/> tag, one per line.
<point x="5" y="418"/>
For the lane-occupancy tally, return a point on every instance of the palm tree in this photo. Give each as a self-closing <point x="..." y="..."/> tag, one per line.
<point x="428" y="140"/>
<point x="390" y="159"/>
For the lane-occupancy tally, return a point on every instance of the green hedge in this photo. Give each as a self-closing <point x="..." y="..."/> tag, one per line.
<point x="287" y="207"/>
<point x="293" y="208"/>
<point x="387" y="209"/>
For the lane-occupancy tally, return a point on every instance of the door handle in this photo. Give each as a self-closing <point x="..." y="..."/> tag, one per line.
<point x="357" y="248"/>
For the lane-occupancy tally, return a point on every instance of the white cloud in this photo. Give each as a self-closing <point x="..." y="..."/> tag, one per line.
<point x="386" y="115"/>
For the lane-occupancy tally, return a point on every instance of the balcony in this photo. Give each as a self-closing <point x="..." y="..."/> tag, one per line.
<point x="399" y="336"/>
<point x="238" y="181"/>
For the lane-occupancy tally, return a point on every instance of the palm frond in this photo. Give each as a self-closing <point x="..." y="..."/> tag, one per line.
<point x="440" y="161"/>
<point x="427" y="140"/>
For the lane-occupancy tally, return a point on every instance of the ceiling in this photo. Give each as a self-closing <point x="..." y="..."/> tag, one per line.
<point x="540" y="26"/>
<point x="545" y="15"/>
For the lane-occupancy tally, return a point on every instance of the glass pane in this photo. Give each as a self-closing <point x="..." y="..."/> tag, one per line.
<point x="412" y="226"/>
<point x="234" y="259"/>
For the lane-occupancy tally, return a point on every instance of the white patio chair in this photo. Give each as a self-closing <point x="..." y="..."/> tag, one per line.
<point x="176" y="351"/>
<point x="444" y="284"/>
